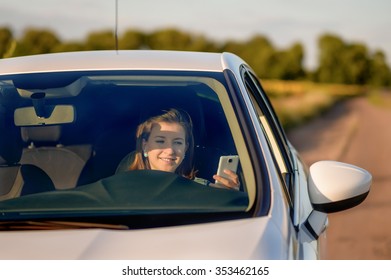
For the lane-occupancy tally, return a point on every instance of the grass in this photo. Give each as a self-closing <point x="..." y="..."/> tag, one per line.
<point x="380" y="98"/>
<point x="297" y="102"/>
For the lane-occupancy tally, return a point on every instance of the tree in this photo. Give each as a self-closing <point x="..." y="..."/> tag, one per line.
<point x="288" y="63"/>
<point x="132" y="40"/>
<point x="356" y="64"/>
<point x="267" y="61"/>
<point x="36" y="41"/>
<point x="379" y="71"/>
<point x="169" y="39"/>
<point x="173" y="39"/>
<point x="6" y="42"/>
<point x="258" y="52"/>
<point x="348" y="63"/>
<point x="330" y="68"/>
<point x="339" y="62"/>
<point x="71" y="46"/>
<point x="101" y="40"/>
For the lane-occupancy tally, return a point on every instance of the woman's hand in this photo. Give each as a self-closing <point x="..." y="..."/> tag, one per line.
<point x="230" y="182"/>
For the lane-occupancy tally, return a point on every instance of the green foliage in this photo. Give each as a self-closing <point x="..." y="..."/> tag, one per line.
<point x="132" y="40"/>
<point x="380" y="98"/>
<point x="350" y="63"/>
<point x="379" y="72"/>
<point x="258" y="52"/>
<point x="296" y="102"/>
<point x="289" y="64"/>
<point x="267" y="61"/>
<point x="173" y="39"/>
<point x="101" y="40"/>
<point x="36" y="41"/>
<point x="5" y="41"/>
<point x="69" y="47"/>
<point x="339" y="62"/>
<point x="330" y="49"/>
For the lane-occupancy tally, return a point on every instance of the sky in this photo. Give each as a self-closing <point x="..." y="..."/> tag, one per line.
<point x="282" y="22"/>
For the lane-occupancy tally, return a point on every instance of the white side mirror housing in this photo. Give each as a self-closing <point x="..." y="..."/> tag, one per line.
<point x="336" y="186"/>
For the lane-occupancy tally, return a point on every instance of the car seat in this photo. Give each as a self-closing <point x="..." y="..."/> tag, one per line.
<point x="111" y="144"/>
<point x="18" y="179"/>
<point x="62" y="163"/>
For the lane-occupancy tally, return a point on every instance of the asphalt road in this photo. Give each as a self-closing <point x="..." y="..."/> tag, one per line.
<point x="359" y="133"/>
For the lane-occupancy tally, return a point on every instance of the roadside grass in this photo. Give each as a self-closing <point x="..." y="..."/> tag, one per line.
<point x="380" y="98"/>
<point x="297" y="102"/>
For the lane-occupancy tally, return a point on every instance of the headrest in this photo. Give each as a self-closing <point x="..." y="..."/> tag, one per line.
<point x="10" y="150"/>
<point x="11" y="145"/>
<point x="41" y="134"/>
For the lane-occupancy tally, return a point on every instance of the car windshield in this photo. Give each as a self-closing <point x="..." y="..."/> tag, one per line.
<point x="68" y="138"/>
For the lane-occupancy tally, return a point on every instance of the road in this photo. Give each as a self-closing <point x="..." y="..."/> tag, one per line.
<point x="356" y="132"/>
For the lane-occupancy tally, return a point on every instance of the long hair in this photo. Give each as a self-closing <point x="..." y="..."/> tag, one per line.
<point x="180" y="117"/>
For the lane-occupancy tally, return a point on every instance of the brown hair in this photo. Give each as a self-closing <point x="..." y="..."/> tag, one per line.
<point x="186" y="168"/>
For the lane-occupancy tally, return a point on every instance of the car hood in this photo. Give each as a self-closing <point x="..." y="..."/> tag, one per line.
<point x="251" y="238"/>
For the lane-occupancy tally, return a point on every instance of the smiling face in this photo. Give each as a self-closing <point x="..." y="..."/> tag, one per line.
<point x="166" y="146"/>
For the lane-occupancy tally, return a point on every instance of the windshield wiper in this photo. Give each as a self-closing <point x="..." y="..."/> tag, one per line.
<point x="55" y="225"/>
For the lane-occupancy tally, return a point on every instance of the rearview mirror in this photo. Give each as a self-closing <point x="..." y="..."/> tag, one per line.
<point x="60" y="114"/>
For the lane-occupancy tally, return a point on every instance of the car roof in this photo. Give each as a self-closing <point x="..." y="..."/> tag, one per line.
<point x="119" y="60"/>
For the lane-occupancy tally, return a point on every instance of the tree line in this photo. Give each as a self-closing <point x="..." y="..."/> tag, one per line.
<point x="338" y="61"/>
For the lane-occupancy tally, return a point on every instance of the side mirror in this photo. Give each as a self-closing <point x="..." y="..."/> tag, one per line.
<point x="336" y="186"/>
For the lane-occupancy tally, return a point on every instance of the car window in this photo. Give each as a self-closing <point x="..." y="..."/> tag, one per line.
<point x="272" y="128"/>
<point x="85" y="126"/>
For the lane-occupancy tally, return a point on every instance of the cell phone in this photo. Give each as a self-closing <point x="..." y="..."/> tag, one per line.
<point x="227" y="162"/>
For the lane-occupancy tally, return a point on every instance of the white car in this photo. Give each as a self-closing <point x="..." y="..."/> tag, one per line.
<point x="68" y="119"/>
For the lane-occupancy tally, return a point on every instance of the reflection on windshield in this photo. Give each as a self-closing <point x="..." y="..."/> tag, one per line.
<point x="142" y="192"/>
<point x="66" y="169"/>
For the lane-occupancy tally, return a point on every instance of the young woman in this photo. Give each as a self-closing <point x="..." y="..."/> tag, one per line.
<point x="165" y="142"/>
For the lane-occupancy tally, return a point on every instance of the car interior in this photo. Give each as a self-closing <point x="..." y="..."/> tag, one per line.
<point x="59" y="156"/>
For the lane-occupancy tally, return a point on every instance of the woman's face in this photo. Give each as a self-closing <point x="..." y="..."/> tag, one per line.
<point x="166" y="146"/>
